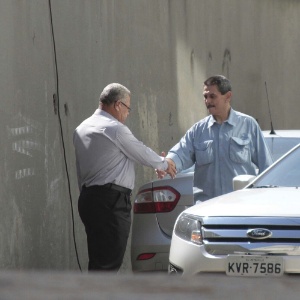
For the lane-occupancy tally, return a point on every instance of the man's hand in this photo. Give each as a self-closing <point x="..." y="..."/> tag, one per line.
<point x="171" y="170"/>
<point x="160" y="173"/>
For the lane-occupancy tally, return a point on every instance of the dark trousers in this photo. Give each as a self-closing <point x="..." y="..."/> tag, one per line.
<point x="106" y="215"/>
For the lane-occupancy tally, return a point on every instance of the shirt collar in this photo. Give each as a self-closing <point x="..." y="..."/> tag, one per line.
<point x="211" y="121"/>
<point x="232" y="119"/>
<point x="101" y="112"/>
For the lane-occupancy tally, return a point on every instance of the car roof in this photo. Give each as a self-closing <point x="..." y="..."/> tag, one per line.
<point x="293" y="133"/>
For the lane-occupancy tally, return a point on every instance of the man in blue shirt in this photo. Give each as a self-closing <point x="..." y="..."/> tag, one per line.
<point x="223" y="145"/>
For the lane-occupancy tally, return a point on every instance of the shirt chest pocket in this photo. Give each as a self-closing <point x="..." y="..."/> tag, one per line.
<point x="239" y="150"/>
<point x="204" y="153"/>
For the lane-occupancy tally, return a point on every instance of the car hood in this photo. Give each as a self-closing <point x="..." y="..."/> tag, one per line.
<point x="252" y="202"/>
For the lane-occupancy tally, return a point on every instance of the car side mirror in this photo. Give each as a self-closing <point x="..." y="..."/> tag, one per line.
<point x="240" y="181"/>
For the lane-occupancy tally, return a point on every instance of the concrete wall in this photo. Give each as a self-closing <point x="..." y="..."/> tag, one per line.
<point x="162" y="50"/>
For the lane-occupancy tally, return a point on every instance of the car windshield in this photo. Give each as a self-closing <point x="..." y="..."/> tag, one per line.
<point x="285" y="173"/>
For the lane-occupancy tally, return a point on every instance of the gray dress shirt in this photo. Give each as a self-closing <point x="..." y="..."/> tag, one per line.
<point x="106" y="151"/>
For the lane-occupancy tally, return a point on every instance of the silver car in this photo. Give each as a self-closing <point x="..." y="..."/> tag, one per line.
<point x="254" y="231"/>
<point x="158" y="204"/>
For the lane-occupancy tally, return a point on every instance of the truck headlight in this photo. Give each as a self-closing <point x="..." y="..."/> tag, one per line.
<point x="189" y="228"/>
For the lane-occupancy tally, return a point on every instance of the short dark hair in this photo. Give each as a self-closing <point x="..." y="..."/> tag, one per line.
<point x="220" y="81"/>
<point x="113" y="92"/>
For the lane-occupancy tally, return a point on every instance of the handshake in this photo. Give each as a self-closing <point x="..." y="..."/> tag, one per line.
<point x="171" y="170"/>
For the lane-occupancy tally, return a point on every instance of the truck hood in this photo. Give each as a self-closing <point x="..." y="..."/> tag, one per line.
<point x="283" y="202"/>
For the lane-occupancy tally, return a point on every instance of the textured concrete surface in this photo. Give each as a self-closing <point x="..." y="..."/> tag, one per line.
<point x="73" y="286"/>
<point x="162" y="50"/>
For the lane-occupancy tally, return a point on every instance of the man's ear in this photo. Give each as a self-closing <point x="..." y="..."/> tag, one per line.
<point x="228" y="96"/>
<point x="116" y="104"/>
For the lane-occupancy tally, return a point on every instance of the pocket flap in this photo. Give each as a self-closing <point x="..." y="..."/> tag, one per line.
<point x="240" y="141"/>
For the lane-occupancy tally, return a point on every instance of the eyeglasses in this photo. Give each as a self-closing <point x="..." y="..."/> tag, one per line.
<point x="129" y="109"/>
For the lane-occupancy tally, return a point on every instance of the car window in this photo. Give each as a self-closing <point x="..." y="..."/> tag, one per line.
<point x="279" y="145"/>
<point x="286" y="173"/>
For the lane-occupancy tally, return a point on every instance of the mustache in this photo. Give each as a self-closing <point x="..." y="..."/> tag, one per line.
<point x="209" y="106"/>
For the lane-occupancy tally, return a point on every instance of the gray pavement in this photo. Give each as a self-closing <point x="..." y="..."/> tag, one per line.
<point x="75" y="285"/>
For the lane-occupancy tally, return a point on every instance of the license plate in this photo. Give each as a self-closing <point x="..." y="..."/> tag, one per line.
<point x="254" y="265"/>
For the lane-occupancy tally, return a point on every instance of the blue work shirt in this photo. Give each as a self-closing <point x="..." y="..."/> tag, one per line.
<point x="220" y="152"/>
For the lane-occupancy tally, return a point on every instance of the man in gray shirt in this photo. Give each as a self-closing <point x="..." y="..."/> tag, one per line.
<point x="106" y="151"/>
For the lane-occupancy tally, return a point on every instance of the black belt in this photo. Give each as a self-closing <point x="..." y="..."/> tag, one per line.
<point x="119" y="188"/>
<point x="111" y="186"/>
